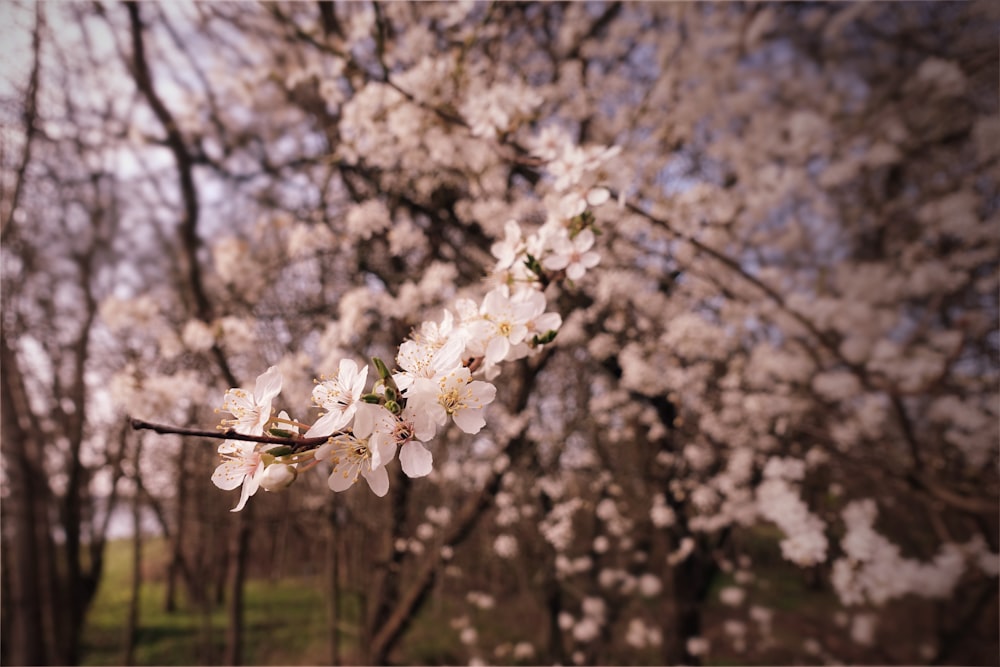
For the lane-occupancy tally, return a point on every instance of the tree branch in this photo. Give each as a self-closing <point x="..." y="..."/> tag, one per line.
<point x="30" y="115"/>
<point x="185" y="170"/>
<point x="296" y="444"/>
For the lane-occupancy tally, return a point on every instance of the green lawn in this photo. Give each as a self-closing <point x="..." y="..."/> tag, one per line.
<point x="285" y="620"/>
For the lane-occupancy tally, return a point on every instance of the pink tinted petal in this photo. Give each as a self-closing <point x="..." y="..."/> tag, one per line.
<point x="341" y="478"/>
<point x="517" y="333"/>
<point x="244" y="496"/>
<point x="424" y="428"/>
<point x="598" y="196"/>
<point x="253" y="479"/>
<point x="328" y="423"/>
<point x="449" y="356"/>
<point x="470" y="420"/>
<point x="497" y="350"/>
<point x="548" y="322"/>
<point x="555" y="262"/>
<point x="484" y="391"/>
<point x="323" y="453"/>
<point x="364" y="419"/>
<point x="268" y="385"/>
<point x="495" y="300"/>
<point x="590" y="260"/>
<point x="386" y="447"/>
<point x="575" y="271"/>
<point x="249" y="487"/>
<point x="347" y="372"/>
<point x="584" y="240"/>
<point x="228" y="475"/>
<point x="378" y="481"/>
<point x="233" y="446"/>
<point x="354" y="381"/>
<point x="415" y="459"/>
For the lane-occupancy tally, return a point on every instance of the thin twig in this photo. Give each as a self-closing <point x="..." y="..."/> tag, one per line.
<point x="296" y="443"/>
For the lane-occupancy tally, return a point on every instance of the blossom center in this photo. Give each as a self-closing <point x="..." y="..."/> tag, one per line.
<point x="403" y="432"/>
<point x="451" y="400"/>
<point x="361" y="450"/>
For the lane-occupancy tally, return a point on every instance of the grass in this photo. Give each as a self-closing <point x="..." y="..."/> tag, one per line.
<point x="285" y="620"/>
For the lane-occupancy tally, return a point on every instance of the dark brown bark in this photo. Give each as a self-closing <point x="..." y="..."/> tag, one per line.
<point x="690" y="581"/>
<point x="389" y="580"/>
<point x="132" y="620"/>
<point x="240" y="548"/>
<point x="333" y="578"/>
<point x="177" y="565"/>
<point x="26" y="508"/>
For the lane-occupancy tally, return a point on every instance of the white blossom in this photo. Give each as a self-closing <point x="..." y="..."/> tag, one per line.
<point x="339" y="397"/>
<point x="251" y="412"/>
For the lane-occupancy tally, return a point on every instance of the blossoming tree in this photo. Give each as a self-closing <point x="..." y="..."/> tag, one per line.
<point x="616" y="309"/>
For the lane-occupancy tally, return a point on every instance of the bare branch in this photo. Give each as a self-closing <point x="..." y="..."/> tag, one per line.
<point x="30" y="115"/>
<point x="299" y="443"/>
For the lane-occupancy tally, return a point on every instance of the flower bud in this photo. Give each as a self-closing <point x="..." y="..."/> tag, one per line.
<point x="383" y="370"/>
<point x="278" y="476"/>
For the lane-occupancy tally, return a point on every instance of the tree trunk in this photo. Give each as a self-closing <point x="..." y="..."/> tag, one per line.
<point x="26" y="507"/>
<point x="132" y="621"/>
<point x="240" y="547"/>
<point x="553" y="603"/>
<point x="690" y="581"/>
<point x="389" y="583"/>
<point x="24" y="607"/>
<point x="177" y="544"/>
<point x="333" y="578"/>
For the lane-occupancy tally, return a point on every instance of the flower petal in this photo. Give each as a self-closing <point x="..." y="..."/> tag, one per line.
<point x="386" y="447"/>
<point x="598" y="196"/>
<point x="378" y="480"/>
<point x="228" y="475"/>
<point x="415" y="459"/>
<point x="328" y="423"/>
<point x="470" y="420"/>
<point x="268" y="385"/>
<point x="341" y="478"/>
<point x="244" y="496"/>
<point x="584" y="241"/>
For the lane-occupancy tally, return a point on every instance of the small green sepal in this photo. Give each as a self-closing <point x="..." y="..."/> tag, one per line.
<point x="544" y="339"/>
<point x="280" y="450"/>
<point x="533" y="264"/>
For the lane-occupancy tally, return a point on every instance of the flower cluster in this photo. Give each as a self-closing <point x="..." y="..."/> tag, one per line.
<point x="443" y="374"/>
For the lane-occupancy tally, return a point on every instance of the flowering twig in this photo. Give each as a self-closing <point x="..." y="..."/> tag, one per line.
<point x="229" y="434"/>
